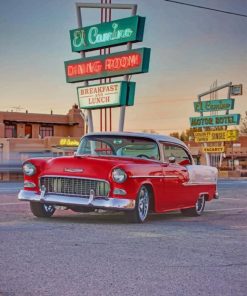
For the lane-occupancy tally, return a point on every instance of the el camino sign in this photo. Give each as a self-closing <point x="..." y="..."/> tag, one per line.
<point x="107" y="34"/>
<point x="69" y="142"/>
<point x="111" y="65"/>
<point x="106" y="95"/>
<point x="214" y="105"/>
<point x="216" y="120"/>
<point x="216" y="136"/>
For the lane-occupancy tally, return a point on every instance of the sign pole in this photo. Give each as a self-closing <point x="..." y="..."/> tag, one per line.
<point x="204" y="144"/>
<point x="126" y="78"/>
<point x="89" y="112"/>
<point x="227" y="112"/>
<point x="199" y="100"/>
<point x="133" y="8"/>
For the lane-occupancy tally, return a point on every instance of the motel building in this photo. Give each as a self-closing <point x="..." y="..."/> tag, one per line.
<point x="24" y="135"/>
<point x="234" y="158"/>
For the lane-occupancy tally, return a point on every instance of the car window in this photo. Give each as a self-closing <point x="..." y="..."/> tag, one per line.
<point x="180" y="154"/>
<point x="141" y="149"/>
<point x="96" y="147"/>
<point x="123" y="146"/>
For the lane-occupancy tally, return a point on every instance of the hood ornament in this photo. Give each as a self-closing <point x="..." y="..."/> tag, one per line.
<point x="73" y="170"/>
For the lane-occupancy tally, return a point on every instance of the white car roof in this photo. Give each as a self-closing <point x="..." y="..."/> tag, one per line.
<point x="155" y="137"/>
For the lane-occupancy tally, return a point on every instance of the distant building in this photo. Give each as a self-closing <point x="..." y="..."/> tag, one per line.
<point x="24" y="135"/>
<point x="234" y="159"/>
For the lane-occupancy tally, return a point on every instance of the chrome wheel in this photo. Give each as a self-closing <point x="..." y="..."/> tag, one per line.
<point x="42" y="210"/>
<point x="49" y="208"/>
<point x="197" y="210"/>
<point x="140" y="213"/>
<point x="143" y="203"/>
<point x="200" y="204"/>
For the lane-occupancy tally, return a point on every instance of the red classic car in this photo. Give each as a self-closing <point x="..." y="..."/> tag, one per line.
<point x="131" y="172"/>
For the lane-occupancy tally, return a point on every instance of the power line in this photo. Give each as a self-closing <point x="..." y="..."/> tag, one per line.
<point x="208" y="8"/>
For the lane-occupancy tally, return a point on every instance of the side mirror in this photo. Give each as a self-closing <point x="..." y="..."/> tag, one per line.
<point x="172" y="159"/>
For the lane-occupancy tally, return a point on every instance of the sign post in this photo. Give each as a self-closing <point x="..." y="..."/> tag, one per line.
<point x="216" y="120"/>
<point x="101" y="36"/>
<point x="79" y="6"/>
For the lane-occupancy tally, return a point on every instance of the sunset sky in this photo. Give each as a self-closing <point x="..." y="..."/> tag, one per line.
<point x="190" y="49"/>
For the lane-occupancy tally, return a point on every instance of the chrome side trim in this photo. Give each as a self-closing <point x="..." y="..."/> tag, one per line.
<point x="71" y="170"/>
<point x="63" y="200"/>
<point x="166" y="177"/>
<point x="198" y="184"/>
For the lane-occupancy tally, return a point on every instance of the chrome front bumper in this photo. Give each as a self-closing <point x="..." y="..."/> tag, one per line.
<point x="91" y="201"/>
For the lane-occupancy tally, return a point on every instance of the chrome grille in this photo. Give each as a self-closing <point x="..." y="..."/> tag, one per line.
<point x="75" y="186"/>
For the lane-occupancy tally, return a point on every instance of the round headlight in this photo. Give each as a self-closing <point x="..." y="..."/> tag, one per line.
<point x="119" y="175"/>
<point x="29" y="169"/>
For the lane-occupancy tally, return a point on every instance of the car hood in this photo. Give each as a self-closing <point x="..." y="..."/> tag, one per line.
<point x="87" y="166"/>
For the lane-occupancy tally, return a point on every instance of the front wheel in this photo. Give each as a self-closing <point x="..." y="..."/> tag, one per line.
<point x="197" y="210"/>
<point x="42" y="210"/>
<point x="140" y="213"/>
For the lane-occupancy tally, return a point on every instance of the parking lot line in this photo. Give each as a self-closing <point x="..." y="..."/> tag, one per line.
<point x="223" y="210"/>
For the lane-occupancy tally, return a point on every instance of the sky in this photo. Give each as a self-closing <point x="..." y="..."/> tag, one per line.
<point x="191" y="48"/>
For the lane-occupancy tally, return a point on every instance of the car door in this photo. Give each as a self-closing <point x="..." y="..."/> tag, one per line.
<point x="174" y="175"/>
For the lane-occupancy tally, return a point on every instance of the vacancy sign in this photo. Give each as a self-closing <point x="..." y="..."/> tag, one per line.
<point x="106" y="95"/>
<point x="219" y="149"/>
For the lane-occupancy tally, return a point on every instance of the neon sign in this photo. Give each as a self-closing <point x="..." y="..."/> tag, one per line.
<point x="107" y="34"/>
<point x="216" y="120"/>
<point x="69" y="142"/>
<point x="214" y="105"/>
<point x="117" y="64"/>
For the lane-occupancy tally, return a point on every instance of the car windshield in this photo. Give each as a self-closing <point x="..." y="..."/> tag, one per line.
<point x="123" y="146"/>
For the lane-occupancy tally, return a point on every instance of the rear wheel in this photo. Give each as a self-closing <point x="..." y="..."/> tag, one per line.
<point x="140" y="213"/>
<point x="197" y="210"/>
<point x="42" y="210"/>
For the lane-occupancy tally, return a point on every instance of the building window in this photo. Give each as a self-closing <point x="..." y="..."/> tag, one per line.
<point x="46" y="131"/>
<point x="28" y="131"/>
<point x="10" y="130"/>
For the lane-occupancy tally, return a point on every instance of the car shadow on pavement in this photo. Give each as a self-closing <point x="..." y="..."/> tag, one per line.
<point x="110" y="218"/>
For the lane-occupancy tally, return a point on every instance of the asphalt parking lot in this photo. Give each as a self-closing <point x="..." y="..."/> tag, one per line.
<point x="99" y="254"/>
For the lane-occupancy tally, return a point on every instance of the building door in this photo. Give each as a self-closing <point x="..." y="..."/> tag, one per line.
<point x="28" y="131"/>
